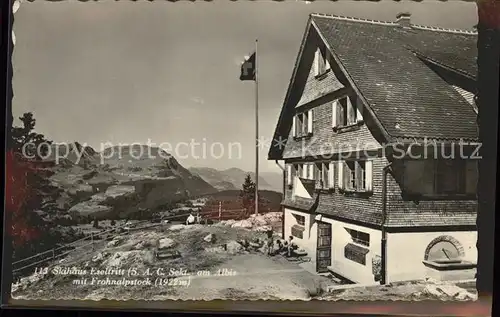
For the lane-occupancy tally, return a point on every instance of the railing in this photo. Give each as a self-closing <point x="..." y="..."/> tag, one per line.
<point x="53" y="254"/>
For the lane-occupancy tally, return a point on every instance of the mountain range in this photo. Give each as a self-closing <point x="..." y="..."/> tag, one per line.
<point x="233" y="178"/>
<point x="123" y="180"/>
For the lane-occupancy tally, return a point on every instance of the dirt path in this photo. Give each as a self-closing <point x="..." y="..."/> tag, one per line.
<point x="257" y="277"/>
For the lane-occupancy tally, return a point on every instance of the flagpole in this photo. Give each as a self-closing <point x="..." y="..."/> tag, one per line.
<point x="256" y="131"/>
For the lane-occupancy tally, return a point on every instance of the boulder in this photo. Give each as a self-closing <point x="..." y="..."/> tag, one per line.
<point x="229" y="222"/>
<point x="165" y="243"/>
<point x="264" y="228"/>
<point x="167" y="254"/>
<point x="113" y="243"/>
<point x="209" y="238"/>
<point x="257" y="220"/>
<point x="242" y="224"/>
<point x="233" y="247"/>
<point x="126" y="259"/>
<point x="98" y="257"/>
<point x="273" y="217"/>
<point x="142" y="245"/>
<point x="177" y="227"/>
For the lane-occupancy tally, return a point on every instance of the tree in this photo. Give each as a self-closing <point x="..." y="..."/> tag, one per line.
<point x="487" y="101"/>
<point x="247" y="194"/>
<point x="96" y="223"/>
<point x="27" y="186"/>
<point x="28" y="142"/>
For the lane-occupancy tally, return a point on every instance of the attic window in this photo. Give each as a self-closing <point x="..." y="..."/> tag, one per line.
<point x="303" y="124"/>
<point x="346" y="111"/>
<point x="321" y="62"/>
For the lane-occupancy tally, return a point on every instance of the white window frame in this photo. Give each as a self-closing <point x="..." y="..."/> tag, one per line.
<point x="366" y="176"/>
<point x="303" y="121"/>
<point x="347" y="104"/>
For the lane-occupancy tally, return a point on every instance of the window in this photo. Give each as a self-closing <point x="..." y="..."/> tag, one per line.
<point x="303" y="124"/>
<point x="359" y="237"/>
<point x="357" y="175"/>
<point x="308" y="171"/>
<point x="346" y="111"/>
<point x="355" y="253"/>
<point x="298" y="169"/>
<point x="319" y="174"/>
<point x="324" y="175"/>
<point x="440" y="177"/>
<point x="301" y="220"/>
<point x="297" y="229"/>
<point x="321" y="61"/>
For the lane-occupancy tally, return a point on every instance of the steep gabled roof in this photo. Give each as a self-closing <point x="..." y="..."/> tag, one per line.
<point x="386" y="64"/>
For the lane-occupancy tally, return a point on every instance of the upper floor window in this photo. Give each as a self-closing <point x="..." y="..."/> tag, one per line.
<point x="321" y="62"/>
<point x="324" y="175"/>
<point x="355" y="175"/>
<point x="301" y="220"/>
<point x="440" y="177"/>
<point x="302" y="124"/>
<point x="346" y="111"/>
<point x="298" y="169"/>
<point x="308" y="171"/>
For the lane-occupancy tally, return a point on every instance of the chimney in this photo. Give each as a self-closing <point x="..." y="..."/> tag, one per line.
<point x="403" y="19"/>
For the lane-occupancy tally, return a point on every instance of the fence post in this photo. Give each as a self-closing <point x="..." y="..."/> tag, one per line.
<point x="92" y="239"/>
<point x="53" y="254"/>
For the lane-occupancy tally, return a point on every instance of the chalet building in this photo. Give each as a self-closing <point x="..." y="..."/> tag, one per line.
<point x="372" y="115"/>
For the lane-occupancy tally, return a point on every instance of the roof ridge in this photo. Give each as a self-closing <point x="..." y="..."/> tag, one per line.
<point x="438" y="29"/>
<point x="345" y="18"/>
<point x="392" y="23"/>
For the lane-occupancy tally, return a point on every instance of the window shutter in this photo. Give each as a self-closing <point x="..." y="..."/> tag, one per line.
<point x="369" y="175"/>
<point x="359" y="110"/>
<point x="294" y="126"/>
<point x="321" y="63"/>
<point x="350" y="111"/>
<point x="324" y="175"/>
<point x="289" y="174"/>
<point x="311" y="171"/>
<point x="304" y="171"/>
<point x="310" y="121"/>
<point x="316" y="63"/>
<point x="335" y="106"/>
<point x="331" y="179"/>
<point x="327" y="59"/>
<point x="341" y="174"/>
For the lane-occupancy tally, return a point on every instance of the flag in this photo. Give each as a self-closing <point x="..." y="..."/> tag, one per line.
<point x="248" y="68"/>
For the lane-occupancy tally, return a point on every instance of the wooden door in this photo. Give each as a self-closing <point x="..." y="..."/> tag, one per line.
<point x="324" y="247"/>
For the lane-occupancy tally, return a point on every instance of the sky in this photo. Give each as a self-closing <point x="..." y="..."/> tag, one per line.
<point x="161" y="73"/>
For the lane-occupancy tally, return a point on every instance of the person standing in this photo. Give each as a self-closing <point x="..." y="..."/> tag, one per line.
<point x="270" y="242"/>
<point x="290" y="246"/>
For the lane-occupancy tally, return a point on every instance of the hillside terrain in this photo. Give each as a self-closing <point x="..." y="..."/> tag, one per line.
<point x="137" y="182"/>
<point x="233" y="178"/>
<point x="118" y="182"/>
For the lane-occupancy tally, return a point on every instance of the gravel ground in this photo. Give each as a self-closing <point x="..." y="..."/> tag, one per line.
<point x="256" y="275"/>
